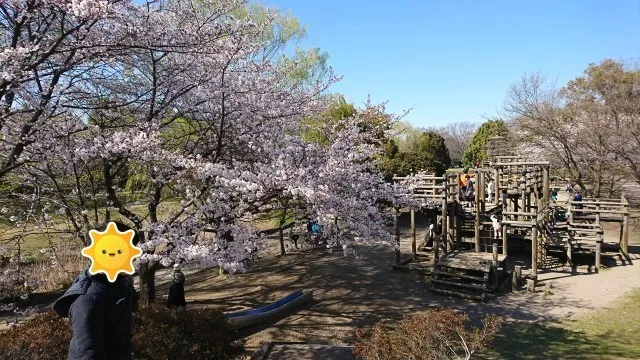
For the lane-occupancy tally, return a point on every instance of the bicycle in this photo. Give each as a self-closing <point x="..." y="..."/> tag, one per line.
<point x="252" y="261"/>
<point x="304" y="240"/>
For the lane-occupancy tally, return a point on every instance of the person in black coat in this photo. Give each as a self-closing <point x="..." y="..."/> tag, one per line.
<point x="176" y="291"/>
<point x="101" y="315"/>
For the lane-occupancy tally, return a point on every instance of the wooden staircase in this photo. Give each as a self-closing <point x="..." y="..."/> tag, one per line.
<point x="467" y="275"/>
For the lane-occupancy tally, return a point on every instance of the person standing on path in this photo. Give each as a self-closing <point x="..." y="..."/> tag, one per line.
<point x="176" y="291"/>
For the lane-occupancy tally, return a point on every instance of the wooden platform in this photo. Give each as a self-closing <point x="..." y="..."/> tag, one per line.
<point x="468" y="275"/>
<point x="469" y="260"/>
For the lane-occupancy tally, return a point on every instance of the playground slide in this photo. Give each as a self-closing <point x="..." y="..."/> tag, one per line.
<point x="251" y="317"/>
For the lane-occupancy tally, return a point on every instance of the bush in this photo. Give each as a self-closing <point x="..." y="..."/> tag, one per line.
<point x="45" y="336"/>
<point x="172" y="334"/>
<point x="432" y="335"/>
<point x="158" y="333"/>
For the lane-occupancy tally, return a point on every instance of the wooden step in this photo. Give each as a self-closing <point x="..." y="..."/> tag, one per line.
<point x="481" y="297"/>
<point x="482" y="287"/>
<point x="461" y="276"/>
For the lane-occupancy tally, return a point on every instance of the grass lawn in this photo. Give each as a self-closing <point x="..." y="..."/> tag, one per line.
<point x="612" y="333"/>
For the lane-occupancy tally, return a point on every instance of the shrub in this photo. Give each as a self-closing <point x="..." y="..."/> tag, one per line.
<point x="45" y="336"/>
<point x="172" y="334"/>
<point x="158" y="333"/>
<point x="432" y="335"/>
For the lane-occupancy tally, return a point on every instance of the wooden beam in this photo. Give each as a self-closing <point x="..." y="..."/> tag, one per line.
<point x="514" y="213"/>
<point x="596" y="203"/>
<point x="523" y="163"/>
<point x="598" y="211"/>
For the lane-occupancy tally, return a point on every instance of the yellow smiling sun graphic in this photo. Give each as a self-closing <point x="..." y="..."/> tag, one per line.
<point x="111" y="252"/>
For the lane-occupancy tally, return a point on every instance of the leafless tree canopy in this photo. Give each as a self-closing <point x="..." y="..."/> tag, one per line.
<point x="590" y="127"/>
<point x="457" y="137"/>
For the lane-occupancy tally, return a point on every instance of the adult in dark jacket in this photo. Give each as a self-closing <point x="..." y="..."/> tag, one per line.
<point x="101" y="317"/>
<point x="101" y="314"/>
<point x="176" y="291"/>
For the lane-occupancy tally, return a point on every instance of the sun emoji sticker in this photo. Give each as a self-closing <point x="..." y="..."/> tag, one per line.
<point x="111" y="252"/>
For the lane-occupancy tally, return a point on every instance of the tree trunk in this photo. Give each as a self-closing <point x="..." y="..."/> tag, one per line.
<point x="282" y="250"/>
<point x="281" y="232"/>
<point x="598" y="184"/>
<point x="147" y="278"/>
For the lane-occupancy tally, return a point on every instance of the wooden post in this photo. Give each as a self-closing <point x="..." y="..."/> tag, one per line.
<point x="494" y="248"/>
<point x="531" y="285"/>
<point x="569" y="252"/>
<point x="444" y="225"/>
<point x="477" y="223"/>
<point x="570" y="213"/>
<point x="496" y="185"/>
<point x="545" y="186"/>
<point x="524" y="204"/>
<point x="458" y="225"/>
<point x="598" y="254"/>
<point x="625" y="228"/>
<point x="413" y="233"/>
<point x="597" y="214"/>
<point x="505" y="237"/>
<point x="396" y="228"/>
<point x="517" y="279"/>
<point x="436" y="249"/>
<point x="452" y="218"/>
<point x="534" y="251"/>
<point x="482" y="188"/>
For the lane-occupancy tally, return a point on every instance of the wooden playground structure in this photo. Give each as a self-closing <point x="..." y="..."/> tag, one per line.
<point x="470" y="254"/>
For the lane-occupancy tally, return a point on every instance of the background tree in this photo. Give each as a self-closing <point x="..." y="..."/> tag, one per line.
<point x="477" y="149"/>
<point x="428" y="152"/>
<point x="457" y="136"/>
<point x="588" y="128"/>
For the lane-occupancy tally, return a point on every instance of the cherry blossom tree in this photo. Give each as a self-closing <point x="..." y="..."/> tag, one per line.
<point x="179" y="97"/>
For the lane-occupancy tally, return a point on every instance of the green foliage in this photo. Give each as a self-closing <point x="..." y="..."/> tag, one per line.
<point x="477" y="150"/>
<point x="428" y="153"/>
<point x="407" y="135"/>
<point x="339" y="110"/>
<point x="309" y="67"/>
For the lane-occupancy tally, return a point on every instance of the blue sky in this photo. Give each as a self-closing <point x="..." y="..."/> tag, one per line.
<point x="454" y="60"/>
